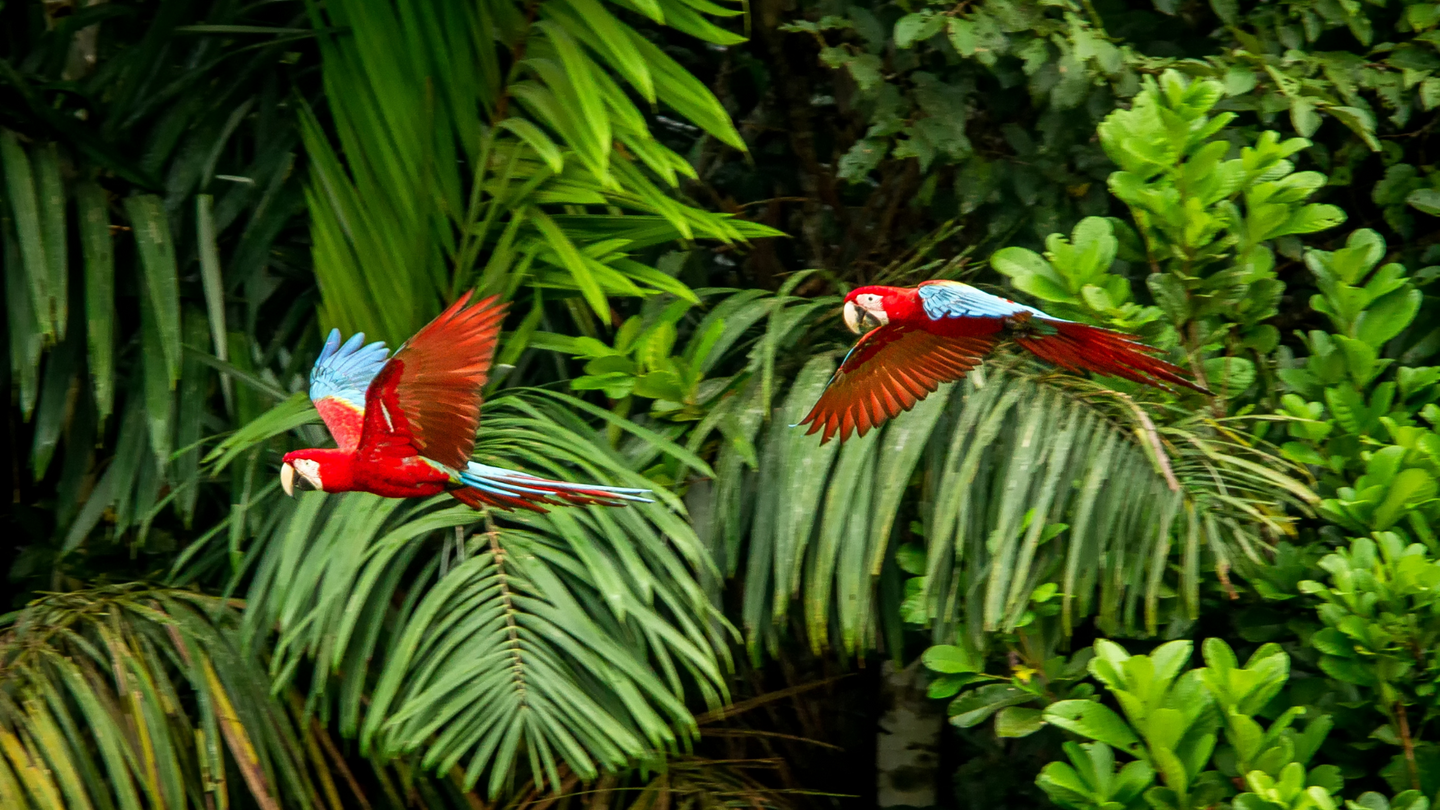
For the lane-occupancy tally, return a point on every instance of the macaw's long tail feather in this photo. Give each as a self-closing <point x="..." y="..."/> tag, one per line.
<point x="508" y="489"/>
<point x="1079" y="347"/>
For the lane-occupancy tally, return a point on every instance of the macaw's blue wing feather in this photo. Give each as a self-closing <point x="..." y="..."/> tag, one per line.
<point x="338" y="382"/>
<point x="951" y="299"/>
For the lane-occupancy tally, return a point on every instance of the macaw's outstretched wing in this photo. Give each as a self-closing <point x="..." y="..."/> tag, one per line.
<point x="338" y="382"/>
<point x="889" y="370"/>
<point x="1069" y="345"/>
<point x="426" y="400"/>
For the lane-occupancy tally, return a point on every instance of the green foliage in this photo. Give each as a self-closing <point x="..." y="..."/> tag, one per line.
<point x="518" y="645"/>
<point x="1206" y="222"/>
<point x="553" y="153"/>
<point x="1358" y="422"/>
<point x="1075" y="278"/>
<point x="1379" y="608"/>
<point x="1016" y="702"/>
<point x="459" y="173"/>
<point x="1091" y="781"/>
<point x="147" y="221"/>
<point x="1190" y="728"/>
<point x="128" y="696"/>
<point x="1048" y="447"/>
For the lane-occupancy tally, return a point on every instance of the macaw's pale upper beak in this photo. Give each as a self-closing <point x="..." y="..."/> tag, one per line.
<point x="860" y="320"/>
<point x="290" y="482"/>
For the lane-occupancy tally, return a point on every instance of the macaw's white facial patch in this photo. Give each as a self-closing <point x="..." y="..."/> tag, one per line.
<point x="309" y="472"/>
<point x="866" y="312"/>
<point x="309" y="469"/>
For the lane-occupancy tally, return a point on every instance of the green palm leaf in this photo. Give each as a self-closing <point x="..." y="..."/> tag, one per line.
<point x="1022" y="478"/>
<point x="131" y="696"/>
<point x="431" y="199"/>
<point x="571" y="638"/>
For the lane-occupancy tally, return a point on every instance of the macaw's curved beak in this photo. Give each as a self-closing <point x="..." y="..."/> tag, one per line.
<point x="860" y="320"/>
<point x="290" y="482"/>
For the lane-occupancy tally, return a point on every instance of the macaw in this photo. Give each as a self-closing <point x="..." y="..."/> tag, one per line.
<point x="405" y="426"/>
<point x="914" y="338"/>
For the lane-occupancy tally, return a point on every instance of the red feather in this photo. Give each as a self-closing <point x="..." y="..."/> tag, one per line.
<point x="897" y="365"/>
<point x="426" y="399"/>
<point x="1079" y="347"/>
<point x="887" y="372"/>
<point x="345" y="422"/>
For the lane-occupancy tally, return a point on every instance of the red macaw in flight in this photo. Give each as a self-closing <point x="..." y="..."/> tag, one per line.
<point x="406" y="425"/>
<point x="915" y="338"/>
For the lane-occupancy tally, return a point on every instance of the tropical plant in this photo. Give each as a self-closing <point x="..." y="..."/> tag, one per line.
<point x="147" y="220"/>
<point x="488" y="160"/>
<point x="192" y="195"/>
<point x="1189" y="730"/>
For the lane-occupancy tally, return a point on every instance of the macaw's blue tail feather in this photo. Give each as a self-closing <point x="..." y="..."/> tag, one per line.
<point x="509" y="489"/>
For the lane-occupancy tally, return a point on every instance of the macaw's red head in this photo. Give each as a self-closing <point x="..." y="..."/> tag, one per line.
<point x="871" y="307"/>
<point x="323" y="470"/>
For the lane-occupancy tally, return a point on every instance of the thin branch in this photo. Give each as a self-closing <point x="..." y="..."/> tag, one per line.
<point x="1408" y="743"/>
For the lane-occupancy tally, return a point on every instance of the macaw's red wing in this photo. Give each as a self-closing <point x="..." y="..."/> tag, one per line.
<point x="426" y="399"/>
<point x="1080" y="347"/>
<point x="889" y="370"/>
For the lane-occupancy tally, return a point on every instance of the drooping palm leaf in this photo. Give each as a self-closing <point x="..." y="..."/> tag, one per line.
<point x="131" y="696"/>
<point x="1022" y="477"/>
<point x="154" y="146"/>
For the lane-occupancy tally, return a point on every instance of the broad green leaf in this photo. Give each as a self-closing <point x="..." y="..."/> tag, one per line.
<point x="25" y="208"/>
<point x="976" y="706"/>
<point x="1093" y="720"/>
<point x="161" y="283"/>
<point x="1032" y="274"/>
<point x="1018" y="721"/>
<point x="950" y="659"/>
<point x="1388" y="317"/>
<point x="1426" y="200"/>
<point x="98" y="249"/>
<point x="1231" y="375"/>
<point x="1409" y="487"/>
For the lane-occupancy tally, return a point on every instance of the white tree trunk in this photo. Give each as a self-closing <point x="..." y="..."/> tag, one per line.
<point x="908" y="742"/>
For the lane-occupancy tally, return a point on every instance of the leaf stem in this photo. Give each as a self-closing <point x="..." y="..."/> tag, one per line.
<point x="510" y="628"/>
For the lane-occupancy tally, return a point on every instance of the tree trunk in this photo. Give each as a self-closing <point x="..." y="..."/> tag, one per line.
<point x="908" y="742"/>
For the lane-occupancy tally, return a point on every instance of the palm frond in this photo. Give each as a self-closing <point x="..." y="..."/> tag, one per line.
<point x="162" y="161"/>
<point x="455" y="175"/>
<point x="132" y="696"/>
<point x="1023" y="477"/>
<point x="574" y="637"/>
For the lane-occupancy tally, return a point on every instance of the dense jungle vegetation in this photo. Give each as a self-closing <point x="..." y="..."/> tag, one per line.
<point x="1034" y="589"/>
